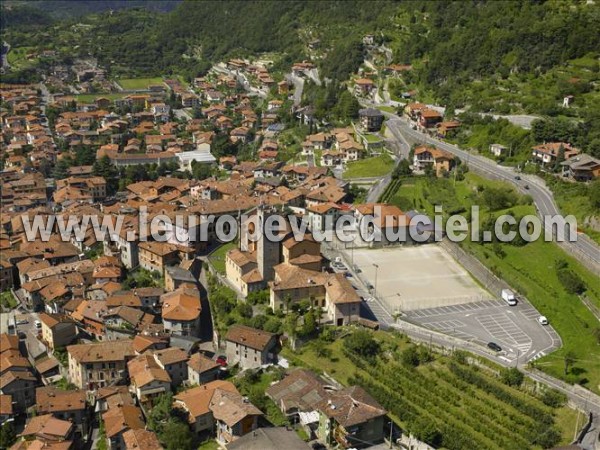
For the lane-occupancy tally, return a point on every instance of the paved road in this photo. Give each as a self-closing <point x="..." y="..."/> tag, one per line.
<point x="584" y="249"/>
<point x="298" y="83"/>
<point x="182" y="114"/>
<point x="5" y="49"/>
<point x="242" y="80"/>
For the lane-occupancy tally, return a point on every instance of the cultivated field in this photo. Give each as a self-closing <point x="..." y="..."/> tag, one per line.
<point x="410" y="278"/>
<point x="139" y="83"/>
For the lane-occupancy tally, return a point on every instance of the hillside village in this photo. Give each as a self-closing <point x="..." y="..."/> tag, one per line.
<point x="104" y="341"/>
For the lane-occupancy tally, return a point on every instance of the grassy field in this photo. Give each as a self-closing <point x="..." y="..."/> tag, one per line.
<point x="17" y="57"/>
<point x="7" y="300"/>
<point x="90" y="98"/>
<point x="389" y="109"/>
<point x="370" y="167"/>
<point x="530" y="269"/>
<point x="138" y="83"/>
<point x="372" y="138"/>
<point x="443" y="392"/>
<point x="574" y="198"/>
<point x="217" y="258"/>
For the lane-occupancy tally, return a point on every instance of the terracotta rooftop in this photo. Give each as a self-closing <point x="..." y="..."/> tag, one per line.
<point x="48" y="427"/>
<point x="120" y="419"/>
<point x="102" y="351"/>
<point x="196" y="400"/>
<point x="182" y="304"/>
<point x="141" y="439"/>
<point x="50" y="399"/>
<point x="249" y="337"/>
<point x="200" y="363"/>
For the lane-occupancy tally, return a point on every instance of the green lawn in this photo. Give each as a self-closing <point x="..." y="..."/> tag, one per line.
<point x="8" y="300"/>
<point x="376" y="166"/>
<point x="217" y="257"/>
<point x="574" y="198"/>
<point x="372" y="138"/>
<point x="459" y="399"/>
<point x="17" y="57"/>
<point x="139" y="83"/>
<point x="389" y="109"/>
<point x="90" y="98"/>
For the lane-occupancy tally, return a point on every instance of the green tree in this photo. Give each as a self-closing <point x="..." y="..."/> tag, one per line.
<point x="410" y="356"/>
<point x="61" y="170"/>
<point x="7" y="435"/>
<point x="176" y="435"/>
<point x="594" y="194"/>
<point x="569" y="360"/>
<point x="553" y="398"/>
<point x="512" y="377"/>
<point x="362" y="343"/>
<point x="402" y="169"/>
<point x="291" y="328"/>
<point x="572" y="283"/>
<point x="105" y="169"/>
<point x="309" y="327"/>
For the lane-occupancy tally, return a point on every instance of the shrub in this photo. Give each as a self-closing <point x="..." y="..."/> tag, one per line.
<point x="572" y="283"/>
<point x="362" y="343"/>
<point x="512" y="377"/>
<point x="553" y="398"/>
<point x="410" y="357"/>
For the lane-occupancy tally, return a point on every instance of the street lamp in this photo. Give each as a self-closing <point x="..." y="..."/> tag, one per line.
<point x="376" y="269"/>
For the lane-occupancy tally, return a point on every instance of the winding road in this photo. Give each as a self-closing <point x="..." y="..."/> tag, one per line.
<point x="583" y="248"/>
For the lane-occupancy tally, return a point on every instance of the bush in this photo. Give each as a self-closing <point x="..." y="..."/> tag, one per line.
<point x="572" y="283"/>
<point x="362" y="343"/>
<point x="553" y="398"/>
<point x="512" y="377"/>
<point x="410" y="357"/>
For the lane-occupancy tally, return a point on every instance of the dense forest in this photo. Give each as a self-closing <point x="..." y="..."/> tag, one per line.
<point x="456" y="41"/>
<point x="498" y="56"/>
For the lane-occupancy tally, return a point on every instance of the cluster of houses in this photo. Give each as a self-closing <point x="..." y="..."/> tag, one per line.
<point x="117" y="382"/>
<point x="337" y="146"/>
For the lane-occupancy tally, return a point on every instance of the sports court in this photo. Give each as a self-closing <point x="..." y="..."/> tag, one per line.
<point x="417" y="277"/>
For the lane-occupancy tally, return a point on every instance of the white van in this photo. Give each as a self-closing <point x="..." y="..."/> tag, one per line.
<point x="509" y="297"/>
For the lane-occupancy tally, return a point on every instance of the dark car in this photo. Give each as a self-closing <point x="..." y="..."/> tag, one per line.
<point x="517" y="178"/>
<point x="494" y="346"/>
<point x="22" y="335"/>
<point x="526" y="186"/>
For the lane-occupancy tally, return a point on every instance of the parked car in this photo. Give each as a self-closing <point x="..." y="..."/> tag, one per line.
<point x="38" y="324"/>
<point x="543" y="320"/>
<point x="517" y="178"/>
<point x="22" y="335"/>
<point x="222" y="360"/>
<point x="494" y="346"/>
<point x="22" y="322"/>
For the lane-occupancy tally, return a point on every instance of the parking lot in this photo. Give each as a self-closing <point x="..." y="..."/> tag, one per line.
<point x="515" y="328"/>
<point x="420" y="277"/>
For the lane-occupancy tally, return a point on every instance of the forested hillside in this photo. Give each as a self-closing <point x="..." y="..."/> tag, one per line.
<point x="498" y="56"/>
